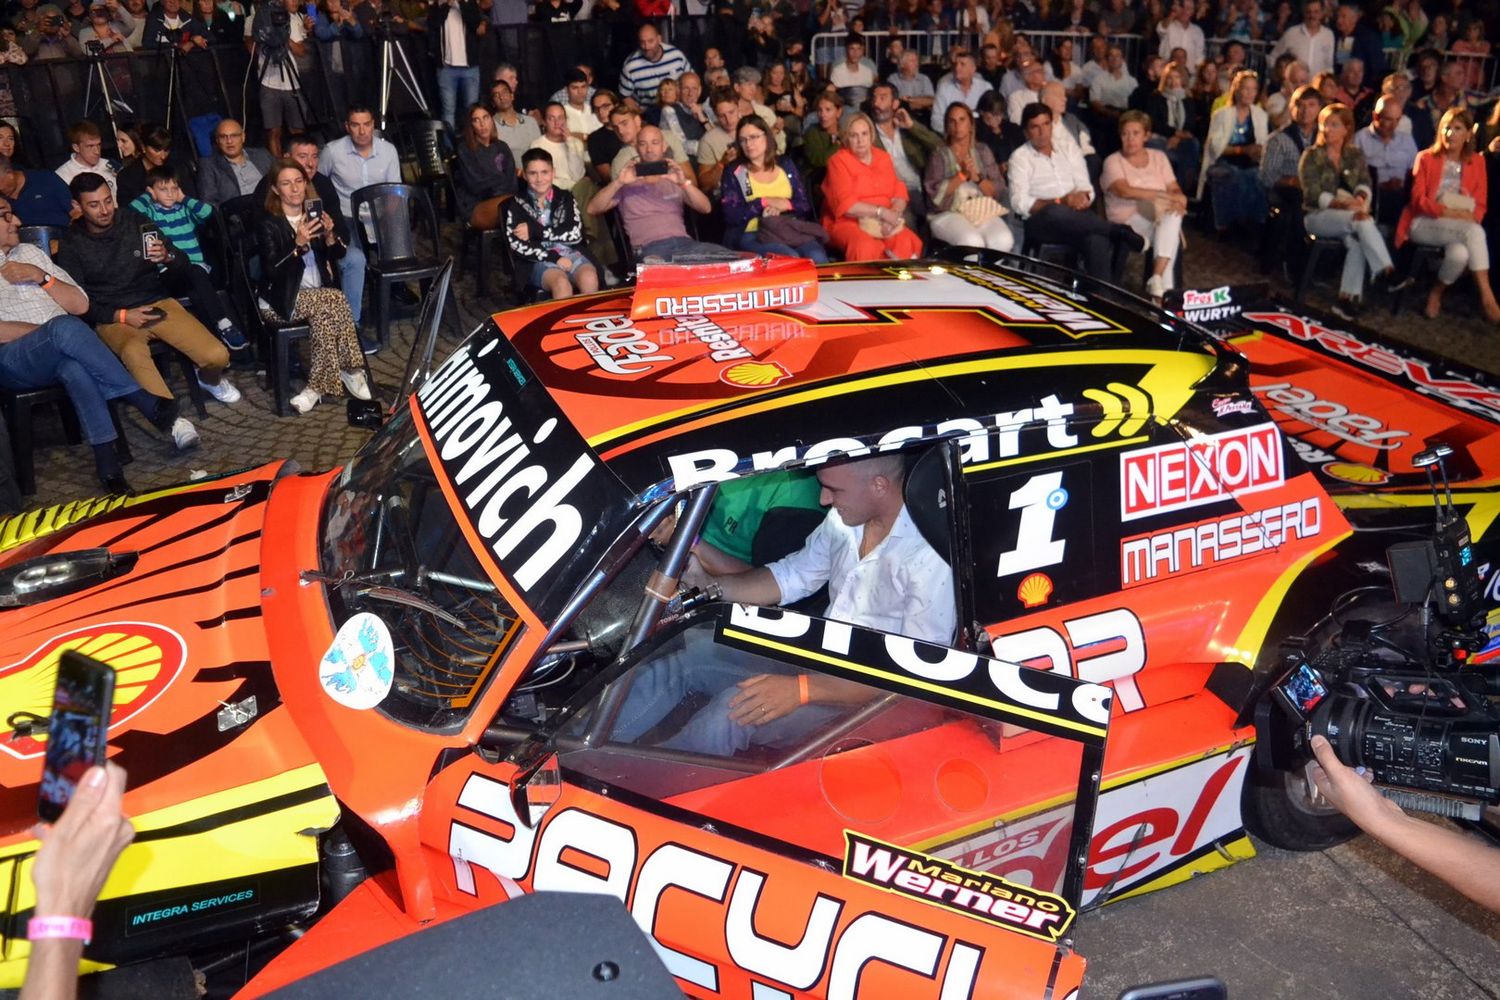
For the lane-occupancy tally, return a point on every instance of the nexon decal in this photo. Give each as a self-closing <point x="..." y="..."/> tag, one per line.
<point x="1200" y="470"/>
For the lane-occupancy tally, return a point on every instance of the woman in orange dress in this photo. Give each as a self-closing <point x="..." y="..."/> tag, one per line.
<point x="863" y="199"/>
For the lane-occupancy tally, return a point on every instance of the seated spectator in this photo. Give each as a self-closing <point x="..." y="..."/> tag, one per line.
<point x="965" y="188"/>
<point x="821" y="140"/>
<point x="299" y="254"/>
<point x="997" y="131"/>
<point x="1232" y="61"/>
<point x="1449" y="196"/>
<point x="52" y="38"/>
<point x="234" y="169"/>
<point x="746" y="83"/>
<point x="855" y="75"/>
<point x="581" y="120"/>
<point x="1033" y="78"/>
<point x="1327" y="86"/>
<point x="179" y="217"/>
<point x="1051" y="191"/>
<point x="1397" y="86"/>
<point x="1424" y="78"/>
<point x="486" y="174"/>
<point x="1236" y="141"/>
<point x="1390" y="155"/>
<point x="1283" y="156"/>
<point x="1352" y="92"/>
<point x="679" y="112"/>
<point x="88" y="155"/>
<point x="1336" y="197"/>
<point x="543" y="226"/>
<point x="1067" y="71"/>
<point x="516" y="130"/>
<point x="1448" y="94"/>
<point x="963" y="84"/>
<point x="785" y="101"/>
<point x="1206" y="91"/>
<point x="1141" y="191"/>
<point x="37" y="197"/>
<point x="717" y="147"/>
<point x="992" y="63"/>
<point x="863" y="199"/>
<point x="911" y="83"/>
<point x="43" y="342"/>
<point x="130" y="302"/>
<point x="1279" y="103"/>
<point x="10" y="147"/>
<point x="651" y="206"/>
<point x="757" y="187"/>
<point x="910" y="144"/>
<point x="1067" y="128"/>
<point x="155" y="150"/>
<point x="1174" y="126"/>
<point x="602" y="143"/>
<point x="569" y="164"/>
<point x="626" y="124"/>
<point x="1111" y="88"/>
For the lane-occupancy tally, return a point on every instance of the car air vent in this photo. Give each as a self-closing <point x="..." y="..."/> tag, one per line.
<point x="45" y="577"/>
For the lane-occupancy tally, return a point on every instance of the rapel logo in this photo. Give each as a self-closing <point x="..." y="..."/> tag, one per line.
<point x="1199" y="471"/>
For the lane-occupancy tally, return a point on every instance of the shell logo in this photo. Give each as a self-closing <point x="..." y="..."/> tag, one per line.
<point x="1034" y="590"/>
<point x="147" y="658"/>
<point x="755" y="374"/>
<point x="1357" y="473"/>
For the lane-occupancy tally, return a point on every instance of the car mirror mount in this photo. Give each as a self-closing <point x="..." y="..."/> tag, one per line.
<point x="536" y="788"/>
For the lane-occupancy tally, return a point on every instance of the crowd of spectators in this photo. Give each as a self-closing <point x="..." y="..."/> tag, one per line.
<point x="1086" y="132"/>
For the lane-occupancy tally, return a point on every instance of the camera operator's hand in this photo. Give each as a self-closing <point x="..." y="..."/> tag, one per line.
<point x="1349" y="790"/>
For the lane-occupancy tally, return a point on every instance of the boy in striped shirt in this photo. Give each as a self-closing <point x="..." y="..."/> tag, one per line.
<point x="175" y="214"/>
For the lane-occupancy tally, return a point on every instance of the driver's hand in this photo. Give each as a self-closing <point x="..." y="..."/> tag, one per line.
<point x="663" y="532"/>
<point x="694" y="575"/>
<point x="764" y="698"/>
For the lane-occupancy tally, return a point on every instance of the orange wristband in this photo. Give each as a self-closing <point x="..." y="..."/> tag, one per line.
<point x="120" y="316"/>
<point x="803" y="694"/>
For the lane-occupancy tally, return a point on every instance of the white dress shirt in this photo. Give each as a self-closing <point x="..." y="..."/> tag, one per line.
<point x="1112" y="91"/>
<point x="1316" y="51"/>
<point x="1017" y="101"/>
<point x="1175" y="36"/>
<point x="1032" y="176"/>
<point x="901" y="586"/>
<point x="949" y="92"/>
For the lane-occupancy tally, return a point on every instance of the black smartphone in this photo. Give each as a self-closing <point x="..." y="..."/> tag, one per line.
<point x="150" y="239"/>
<point x="313" y="207"/>
<point x="77" y="729"/>
<point x="657" y="169"/>
<point x="1302" y="690"/>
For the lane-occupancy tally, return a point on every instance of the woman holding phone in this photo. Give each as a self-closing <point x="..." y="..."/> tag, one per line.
<point x="300" y="250"/>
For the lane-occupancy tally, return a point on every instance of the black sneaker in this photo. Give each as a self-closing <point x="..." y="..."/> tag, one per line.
<point x="234" y="338"/>
<point x="368" y="343"/>
<point x="116" y="486"/>
<point x="166" y="414"/>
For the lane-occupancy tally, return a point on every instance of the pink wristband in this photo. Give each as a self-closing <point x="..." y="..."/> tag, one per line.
<point x="74" y="928"/>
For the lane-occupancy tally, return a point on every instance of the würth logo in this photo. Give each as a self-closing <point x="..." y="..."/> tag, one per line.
<point x="1199" y="471"/>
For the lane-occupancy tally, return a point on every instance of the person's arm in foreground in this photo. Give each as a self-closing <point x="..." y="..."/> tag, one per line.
<point x="1464" y="862"/>
<point x="75" y="859"/>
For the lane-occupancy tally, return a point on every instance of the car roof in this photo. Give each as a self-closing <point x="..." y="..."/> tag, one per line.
<point x="905" y="344"/>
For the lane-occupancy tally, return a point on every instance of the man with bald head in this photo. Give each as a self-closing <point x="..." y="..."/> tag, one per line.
<point x="880" y="573"/>
<point x="650" y="193"/>
<point x="1033" y="77"/>
<point x="1390" y="153"/>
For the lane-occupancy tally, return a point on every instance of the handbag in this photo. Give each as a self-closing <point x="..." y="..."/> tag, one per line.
<point x="975" y="206"/>
<point x="790" y="230"/>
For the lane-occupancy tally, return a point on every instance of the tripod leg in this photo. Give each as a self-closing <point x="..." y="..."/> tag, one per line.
<point x="409" y="80"/>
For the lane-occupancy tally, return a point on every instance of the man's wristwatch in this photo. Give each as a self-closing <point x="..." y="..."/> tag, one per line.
<point x="48" y="280"/>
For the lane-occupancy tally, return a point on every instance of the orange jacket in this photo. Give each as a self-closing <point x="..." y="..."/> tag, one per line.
<point x="1428" y="173"/>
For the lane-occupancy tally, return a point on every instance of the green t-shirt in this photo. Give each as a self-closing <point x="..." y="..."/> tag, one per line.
<point x="741" y="503"/>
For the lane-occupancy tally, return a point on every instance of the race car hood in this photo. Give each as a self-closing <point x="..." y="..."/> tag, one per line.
<point x="180" y="621"/>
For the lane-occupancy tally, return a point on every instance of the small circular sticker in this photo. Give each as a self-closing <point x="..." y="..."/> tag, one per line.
<point x="357" y="670"/>
<point x="1057" y="499"/>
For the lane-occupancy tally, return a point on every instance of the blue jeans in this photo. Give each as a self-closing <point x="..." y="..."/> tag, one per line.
<point x="452" y="80"/>
<point x="668" y="249"/>
<point x="1237" y="195"/>
<point x="744" y="239"/>
<point x="352" y="278"/>
<point x="67" y="350"/>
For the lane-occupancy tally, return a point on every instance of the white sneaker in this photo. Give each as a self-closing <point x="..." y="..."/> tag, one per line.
<point x="1156" y="286"/>
<point x="184" y="434"/>
<point x="224" y="392"/>
<point x="356" y="383"/>
<point x="305" y="400"/>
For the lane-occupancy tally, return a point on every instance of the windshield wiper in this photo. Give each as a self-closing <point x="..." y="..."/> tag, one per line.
<point x="388" y="594"/>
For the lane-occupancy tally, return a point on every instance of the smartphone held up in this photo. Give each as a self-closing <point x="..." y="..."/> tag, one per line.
<point x="77" y="729"/>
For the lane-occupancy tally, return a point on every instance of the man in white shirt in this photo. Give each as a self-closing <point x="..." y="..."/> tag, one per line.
<point x="1034" y="78"/>
<point x="1111" y="90"/>
<point x="1051" y="191"/>
<point x="582" y="122"/>
<point x="1098" y="59"/>
<point x="962" y="85"/>
<point x="1309" y="41"/>
<point x="1179" y="32"/>
<point x="855" y="75"/>
<point x="88" y="155"/>
<point x="913" y="86"/>
<point x="880" y="573"/>
<point x="281" y="77"/>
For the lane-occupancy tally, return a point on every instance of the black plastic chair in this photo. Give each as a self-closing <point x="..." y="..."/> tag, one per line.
<point x="45" y="238"/>
<point x="484" y="241"/>
<point x="277" y="338"/>
<point x="427" y="146"/>
<point x="394" y="212"/>
<point x="20" y="406"/>
<point x="1317" y="249"/>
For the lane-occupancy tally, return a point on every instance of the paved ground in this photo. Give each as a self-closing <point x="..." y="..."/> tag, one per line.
<point x="1351" y="922"/>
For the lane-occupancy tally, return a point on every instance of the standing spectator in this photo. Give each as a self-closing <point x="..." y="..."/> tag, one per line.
<point x="88" y="155"/>
<point x="855" y="75"/>
<point x="282" y="72"/>
<point x="1051" y="191"/>
<point x="1111" y="89"/>
<point x="300" y="252"/>
<point x="235" y="169"/>
<point x="651" y="207"/>
<point x="43" y="342"/>
<point x="1449" y="196"/>
<point x="543" y="225"/>
<point x="909" y="143"/>
<point x="1473" y="51"/>
<point x="758" y="187"/>
<point x="965" y="188"/>
<point x="130" y="303"/>
<point x="164" y="25"/>
<point x="1390" y="154"/>
<point x="1174" y="124"/>
<point x="1034" y="78"/>
<point x="963" y="85"/>
<point x="1206" y="91"/>
<point x="1241" y="21"/>
<point x="911" y="84"/>
<point x="218" y="26"/>
<point x="1095" y="65"/>
<point x="1352" y="92"/>
<point x="1336" y="196"/>
<point x="516" y="130"/>
<point x="52" y="39"/>
<point x="1236" y="141"/>
<point x="1354" y="39"/>
<point x="1309" y="41"/>
<point x="38" y="197"/>
<point x="100" y="28"/>
<point x="1141" y="191"/>
<point x="486" y="174"/>
<point x="1424" y="79"/>
<point x="649" y="65"/>
<point x="863" y="199"/>
<point x="454" y="28"/>
<point x="1179" y="32"/>
<point x="1438" y="37"/>
<point x="358" y="160"/>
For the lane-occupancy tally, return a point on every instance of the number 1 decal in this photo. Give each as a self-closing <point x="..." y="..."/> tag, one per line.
<point x="1039" y="499"/>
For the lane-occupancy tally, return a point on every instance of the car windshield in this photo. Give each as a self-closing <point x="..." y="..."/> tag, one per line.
<point x="392" y="547"/>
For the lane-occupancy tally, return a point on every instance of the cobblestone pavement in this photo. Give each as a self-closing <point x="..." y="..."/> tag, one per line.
<point x="249" y="433"/>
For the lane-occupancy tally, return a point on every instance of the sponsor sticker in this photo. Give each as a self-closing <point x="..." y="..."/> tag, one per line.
<point x="1330" y="417"/>
<point x="1201" y="470"/>
<point x="1206" y="544"/>
<point x="1034" y="590"/>
<point x="181" y="908"/>
<point x="1208" y="306"/>
<point x="357" y="670"/>
<point x="944" y="884"/>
